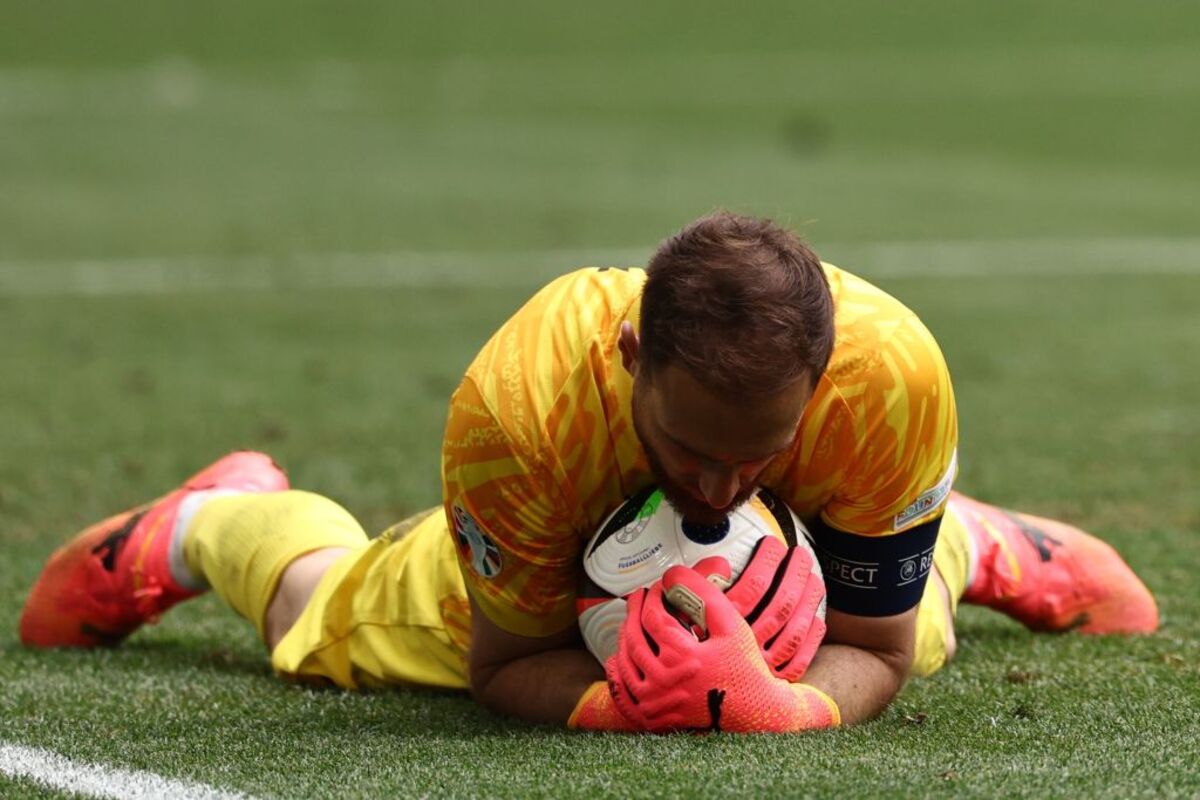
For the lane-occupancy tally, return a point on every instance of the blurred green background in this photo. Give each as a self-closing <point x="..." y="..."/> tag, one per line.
<point x="289" y="226"/>
<point x="232" y="127"/>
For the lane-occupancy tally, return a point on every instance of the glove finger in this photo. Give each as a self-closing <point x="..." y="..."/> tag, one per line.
<point x="716" y="569"/>
<point x="625" y="679"/>
<point x="793" y="629"/>
<point x="782" y="602"/>
<point x="672" y="642"/>
<point x="793" y="647"/>
<point x="621" y="695"/>
<point x="633" y="654"/>
<point x="794" y="669"/>
<point x="754" y="582"/>
<point x="660" y="649"/>
<point x="700" y="601"/>
<point x="659" y="661"/>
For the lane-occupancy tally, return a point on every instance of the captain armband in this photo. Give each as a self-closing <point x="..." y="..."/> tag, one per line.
<point x="875" y="576"/>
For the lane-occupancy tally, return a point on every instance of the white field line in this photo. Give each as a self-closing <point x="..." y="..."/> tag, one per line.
<point x="950" y="259"/>
<point x="52" y="770"/>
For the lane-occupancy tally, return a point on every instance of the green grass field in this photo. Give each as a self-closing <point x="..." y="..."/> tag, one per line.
<point x="290" y="226"/>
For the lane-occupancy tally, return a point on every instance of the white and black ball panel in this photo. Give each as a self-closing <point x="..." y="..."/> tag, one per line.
<point x="654" y="537"/>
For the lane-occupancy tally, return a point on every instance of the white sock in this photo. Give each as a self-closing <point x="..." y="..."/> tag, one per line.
<point x="188" y="508"/>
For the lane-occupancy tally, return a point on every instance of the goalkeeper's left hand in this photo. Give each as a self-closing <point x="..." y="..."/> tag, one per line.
<point x="779" y="593"/>
<point x="666" y="678"/>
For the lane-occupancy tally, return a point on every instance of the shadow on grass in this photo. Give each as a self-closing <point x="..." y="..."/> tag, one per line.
<point x="156" y="656"/>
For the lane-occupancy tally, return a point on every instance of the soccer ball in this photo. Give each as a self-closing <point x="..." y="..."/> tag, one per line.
<point x="646" y="535"/>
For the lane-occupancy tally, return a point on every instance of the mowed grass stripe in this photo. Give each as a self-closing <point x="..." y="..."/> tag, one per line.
<point x="1041" y="70"/>
<point x="415" y="269"/>
<point x="55" y="771"/>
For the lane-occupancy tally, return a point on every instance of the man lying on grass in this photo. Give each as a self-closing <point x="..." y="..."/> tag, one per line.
<point x="735" y="360"/>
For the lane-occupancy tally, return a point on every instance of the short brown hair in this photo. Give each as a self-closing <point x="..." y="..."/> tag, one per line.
<point x="740" y="303"/>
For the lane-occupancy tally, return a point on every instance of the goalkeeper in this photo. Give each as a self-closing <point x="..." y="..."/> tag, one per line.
<point x="735" y="360"/>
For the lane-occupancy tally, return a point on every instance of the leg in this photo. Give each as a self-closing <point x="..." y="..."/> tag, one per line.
<point x="267" y="553"/>
<point x="948" y="612"/>
<point x="329" y="604"/>
<point x="299" y="581"/>
<point x="123" y="572"/>
<point x="1046" y="574"/>
<point x="296" y="588"/>
<point x="392" y="613"/>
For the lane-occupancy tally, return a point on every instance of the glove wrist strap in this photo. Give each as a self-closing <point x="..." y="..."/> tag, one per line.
<point x="822" y="710"/>
<point x="596" y="711"/>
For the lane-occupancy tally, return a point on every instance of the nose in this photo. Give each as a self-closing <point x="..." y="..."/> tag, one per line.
<point x="720" y="486"/>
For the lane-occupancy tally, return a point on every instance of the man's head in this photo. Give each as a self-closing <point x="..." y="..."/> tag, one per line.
<point x="736" y="329"/>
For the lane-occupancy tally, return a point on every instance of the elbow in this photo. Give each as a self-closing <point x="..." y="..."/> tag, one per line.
<point x="899" y="665"/>
<point x="898" y="660"/>
<point x="481" y="679"/>
<point x="897" y="655"/>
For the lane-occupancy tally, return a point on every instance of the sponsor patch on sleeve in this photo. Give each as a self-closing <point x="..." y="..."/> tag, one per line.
<point x="929" y="500"/>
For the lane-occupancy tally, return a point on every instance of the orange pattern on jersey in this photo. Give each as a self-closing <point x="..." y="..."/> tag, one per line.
<point x="540" y="445"/>
<point x="456" y="613"/>
<point x="881" y="428"/>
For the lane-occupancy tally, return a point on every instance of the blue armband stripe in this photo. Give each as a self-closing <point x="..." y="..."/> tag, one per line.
<point x="875" y="576"/>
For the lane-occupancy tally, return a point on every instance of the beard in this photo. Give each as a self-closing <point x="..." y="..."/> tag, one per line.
<point x="689" y="507"/>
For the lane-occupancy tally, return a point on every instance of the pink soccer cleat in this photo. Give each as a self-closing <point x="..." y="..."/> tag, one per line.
<point x="114" y="576"/>
<point x="1050" y="576"/>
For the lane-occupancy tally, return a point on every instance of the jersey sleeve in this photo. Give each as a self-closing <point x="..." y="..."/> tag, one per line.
<point x="907" y="430"/>
<point x="878" y="532"/>
<point x="510" y="525"/>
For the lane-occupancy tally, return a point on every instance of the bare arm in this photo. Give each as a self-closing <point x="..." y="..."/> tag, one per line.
<point x="864" y="661"/>
<point x="539" y="680"/>
<point x="862" y="665"/>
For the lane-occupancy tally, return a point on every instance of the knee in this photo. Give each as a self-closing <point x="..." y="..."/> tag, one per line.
<point x="296" y="587"/>
<point x="951" y="641"/>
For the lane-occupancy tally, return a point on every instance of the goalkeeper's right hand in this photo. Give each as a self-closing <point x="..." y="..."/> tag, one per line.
<point x="665" y="678"/>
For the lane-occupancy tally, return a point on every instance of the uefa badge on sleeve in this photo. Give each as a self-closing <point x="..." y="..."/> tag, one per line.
<point x="476" y="547"/>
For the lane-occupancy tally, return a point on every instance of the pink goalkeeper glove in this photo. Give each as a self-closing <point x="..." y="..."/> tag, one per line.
<point x="778" y="593"/>
<point x="596" y="711"/>
<point x="663" y="678"/>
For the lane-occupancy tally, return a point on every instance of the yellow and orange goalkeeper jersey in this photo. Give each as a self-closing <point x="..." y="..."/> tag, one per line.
<point x="540" y="444"/>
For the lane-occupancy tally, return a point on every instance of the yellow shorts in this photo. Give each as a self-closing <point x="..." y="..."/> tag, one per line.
<point x="394" y="612"/>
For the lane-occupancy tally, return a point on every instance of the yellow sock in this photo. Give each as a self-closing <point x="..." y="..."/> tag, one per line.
<point x="952" y="560"/>
<point x="242" y="544"/>
<point x="953" y="555"/>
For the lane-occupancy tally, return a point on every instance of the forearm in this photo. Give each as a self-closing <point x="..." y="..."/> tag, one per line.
<point x="864" y="662"/>
<point x="859" y="681"/>
<point x="535" y="679"/>
<point x="544" y="687"/>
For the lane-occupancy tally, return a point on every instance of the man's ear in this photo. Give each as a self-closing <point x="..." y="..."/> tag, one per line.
<point x="628" y="344"/>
